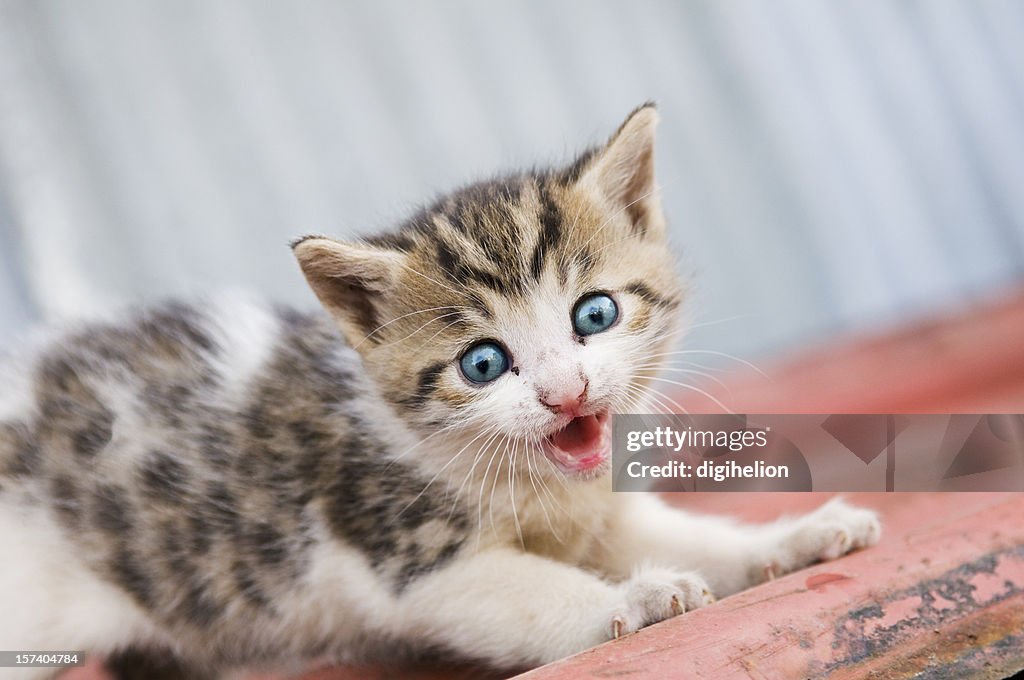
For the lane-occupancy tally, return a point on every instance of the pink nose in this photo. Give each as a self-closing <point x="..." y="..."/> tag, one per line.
<point x="566" y="400"/>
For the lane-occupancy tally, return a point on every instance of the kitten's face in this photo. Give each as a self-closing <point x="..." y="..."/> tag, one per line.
<point x="518" y="313"/>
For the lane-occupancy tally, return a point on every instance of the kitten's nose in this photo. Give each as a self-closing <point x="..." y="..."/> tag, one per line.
<point x="568" y="399"/>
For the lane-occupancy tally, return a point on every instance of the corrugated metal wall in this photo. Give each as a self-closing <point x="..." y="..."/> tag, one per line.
<point x="826" y="165"/>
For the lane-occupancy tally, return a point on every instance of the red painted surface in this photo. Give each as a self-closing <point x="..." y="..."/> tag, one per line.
<point x="946" y="582"/>
<point x="972" y="362"/>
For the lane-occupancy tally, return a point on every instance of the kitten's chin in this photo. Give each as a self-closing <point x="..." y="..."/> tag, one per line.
<point x="583" y="447"/>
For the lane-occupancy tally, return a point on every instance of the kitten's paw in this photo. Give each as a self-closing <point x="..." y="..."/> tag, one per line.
<point x="655" y="594"/>
<point x="831" y="531"/>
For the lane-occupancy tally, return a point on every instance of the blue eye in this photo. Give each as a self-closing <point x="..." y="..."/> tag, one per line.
<point x="484" y="362"/>
<point x="594" y="313"/>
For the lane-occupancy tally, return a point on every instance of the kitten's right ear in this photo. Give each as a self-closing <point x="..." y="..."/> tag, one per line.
<point x="350" y="279"/>
<point x="623" y="170"/>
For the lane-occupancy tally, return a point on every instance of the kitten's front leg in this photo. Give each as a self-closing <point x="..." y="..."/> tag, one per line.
<point x="730" y="555"/>
<point x="517" y="609"/>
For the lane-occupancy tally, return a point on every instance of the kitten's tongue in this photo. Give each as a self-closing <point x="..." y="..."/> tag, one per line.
<point x="581" y="447"/>
<point x="580" y="436"/>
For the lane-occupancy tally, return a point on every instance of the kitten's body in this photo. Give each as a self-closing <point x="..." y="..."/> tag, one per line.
<point x="193" y="472"/>
<point x="247" y="485"/>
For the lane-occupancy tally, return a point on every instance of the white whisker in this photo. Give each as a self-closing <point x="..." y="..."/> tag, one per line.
<point x="512" y="492"/>
<point x="436" y="318"/>
<point x="689" y="371"/>
<point x="399" y="318"/>
<point x="494" y="485"/>
<point x="480" y="497"/>
<point x="536" y="491"/>
<point x="714" y="353"/>
<point x="687" y="386"/>
<point x="436" y="475"/>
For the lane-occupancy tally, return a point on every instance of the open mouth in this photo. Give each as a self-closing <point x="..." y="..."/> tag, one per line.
<point x="582" y="445"/>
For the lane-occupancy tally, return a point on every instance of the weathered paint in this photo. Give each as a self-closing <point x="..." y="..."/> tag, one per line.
<point x="941" y="597"/>
<point x="975" y="614"/>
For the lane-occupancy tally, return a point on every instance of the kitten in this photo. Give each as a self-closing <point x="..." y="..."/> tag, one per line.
<point x="423" y="466"/>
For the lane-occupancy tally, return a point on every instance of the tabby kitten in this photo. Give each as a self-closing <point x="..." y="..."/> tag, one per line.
<point x="423" y="466"/>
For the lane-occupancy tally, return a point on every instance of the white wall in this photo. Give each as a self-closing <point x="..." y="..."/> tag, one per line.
<point x="826" y="165"/>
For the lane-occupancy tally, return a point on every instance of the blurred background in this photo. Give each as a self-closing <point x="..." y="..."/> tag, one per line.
<point x="828" y="167"/>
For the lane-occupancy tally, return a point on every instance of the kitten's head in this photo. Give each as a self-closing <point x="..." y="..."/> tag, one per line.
<point x="524" y="310"/>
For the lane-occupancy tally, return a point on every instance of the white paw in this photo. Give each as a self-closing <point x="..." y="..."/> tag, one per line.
<point x="829" y="532"/>
<point x="654" y="594"/>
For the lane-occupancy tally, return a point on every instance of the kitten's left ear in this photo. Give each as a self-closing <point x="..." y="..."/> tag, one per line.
<point x="623" y="170"/>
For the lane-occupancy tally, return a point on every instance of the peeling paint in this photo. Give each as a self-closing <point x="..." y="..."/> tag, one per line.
<point x="963" y="611"/>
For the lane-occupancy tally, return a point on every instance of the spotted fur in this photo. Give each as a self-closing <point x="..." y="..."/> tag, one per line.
<point x="238" y="484"/>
